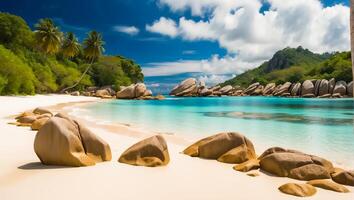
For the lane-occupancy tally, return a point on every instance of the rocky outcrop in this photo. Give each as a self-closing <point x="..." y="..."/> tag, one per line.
<point x="251" y="88"/>
<point x="307" y="89"/>
<point x="134" y="91"/>
<point x="297" y="189"/>
<point x="63" y="141"/>
<point x="185" y="88"/>
<point x="151" y="152"/>
<point x="283" y="89"/>
<point x="295" y="90"/>
<point x="224" y="147"/>
<point x="328" y="185"/>
<point x="323" y="88"/>
<point x="340" y="88"/>
<point x="39" y="122"/>
<point x="103" y="93"/>
<point x="35" y="119"/>
<point x="41" y="111"/>
<point x="226" y="90"/>
<point x="344" y="177"/>
<point x="294" y="164"/>
<point x="269" y="89"/>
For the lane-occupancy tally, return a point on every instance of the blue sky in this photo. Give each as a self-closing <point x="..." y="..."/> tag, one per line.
<point x="212" y="40"/>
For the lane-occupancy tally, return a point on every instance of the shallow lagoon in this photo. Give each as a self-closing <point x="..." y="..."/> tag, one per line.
<point x="323" y="127"/>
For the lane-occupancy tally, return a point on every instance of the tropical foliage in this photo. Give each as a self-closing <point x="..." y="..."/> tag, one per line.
<point x="46" y="60"/>
<point x="297" y="65"/>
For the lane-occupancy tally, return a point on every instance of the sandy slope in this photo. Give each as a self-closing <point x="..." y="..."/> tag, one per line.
<point x="22" y="177"/>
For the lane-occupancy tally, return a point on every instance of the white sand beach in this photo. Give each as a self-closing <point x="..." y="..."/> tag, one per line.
<point x="22" y="176"/>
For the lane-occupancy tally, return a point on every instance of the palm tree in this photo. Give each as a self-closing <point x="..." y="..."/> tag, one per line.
<point x="93" y="49"/>
<point x="352" y="33"/>
<point x="48" y="36"/>
<point x="71" y="46"/>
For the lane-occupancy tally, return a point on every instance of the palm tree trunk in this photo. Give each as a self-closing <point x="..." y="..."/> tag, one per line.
<point x="352" y="33"/>
<point x="82" y="76"/>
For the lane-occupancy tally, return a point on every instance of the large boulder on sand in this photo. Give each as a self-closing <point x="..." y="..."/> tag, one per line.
<point x="296" y="189"/>
<point x="340" y="88"/>
<point x="294" y="164"/>
<point x="189" y="84"/>
<point x="344" y="177"/>
<point x="225" y="147"/>
<point x="328" y="184"/>
<point x="36" y="125"/>
<point x="307" y="88"/>
<point x="63" y="141"/>
<point x="140" y="90"/>
<point x="150" y="152"/>
<point x="247" y="166"/>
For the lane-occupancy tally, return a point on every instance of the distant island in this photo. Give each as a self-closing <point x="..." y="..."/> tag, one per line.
<point x="291" y="72"/>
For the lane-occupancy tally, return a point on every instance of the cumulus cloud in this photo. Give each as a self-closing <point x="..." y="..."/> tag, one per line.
<point x="130" y="30"/>
<point x="213" y="79"/>
<point x="251" y="36"/>
<point x="163" y="26"/>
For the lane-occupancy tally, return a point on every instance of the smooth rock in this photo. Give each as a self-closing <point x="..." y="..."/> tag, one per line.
<point x="218" y="145"/>
<point x="323" y="88"/>
<point x="184" y="85"/>
<point x="41" y="111"/>
<point x="205" y="92"/>
<point x="247" y="166"/>
<point x="150" y="152"/>
<point x="308" y="89"/>
<point x="283" y="89"/>
<point x="309" y="172"/>
<point x="126" y="92"/>
<point x="251" y="88"/>
<point x="75" y="93"/>
<point x="102" y="93"/>
<point x="27" y="119"/>
<point x="63" y="141"/>
<point x="295" y="90"/>
<point x="238" y="155"/>
<point x="296" y="189"/>
<point x="331" y="84"/>
<point x="328" y="184"/>
<point x="253" y="174"/>
<point x="140" y="90"/>
<point x="317" y="87"/>
<point x="344" y="177"/>
<point x="36" y="125"/>
<point x="269" y="89"/>
<point x="226" y="90"/>
<point x="340" y="88"/>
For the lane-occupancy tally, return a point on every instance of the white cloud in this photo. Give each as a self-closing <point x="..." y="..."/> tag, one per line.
<point x="130" y="30"/>
<point x="164" y="26"/>
<point x="211" y="80"/>
<point x="251" y="37"/>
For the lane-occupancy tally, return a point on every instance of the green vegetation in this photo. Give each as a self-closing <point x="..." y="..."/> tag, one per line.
<point x="47" y="60"/>
<point x="297" y="65"/>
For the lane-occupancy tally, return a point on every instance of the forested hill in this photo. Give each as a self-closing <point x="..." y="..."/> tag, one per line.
<point x="297" y="65"/>
<point x="29" y="67"/>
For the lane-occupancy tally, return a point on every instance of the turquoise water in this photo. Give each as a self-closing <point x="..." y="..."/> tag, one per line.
<point x="317" y="126"/>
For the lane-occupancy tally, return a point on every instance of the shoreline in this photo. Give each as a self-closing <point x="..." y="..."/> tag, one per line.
<point x="183" y="178"/>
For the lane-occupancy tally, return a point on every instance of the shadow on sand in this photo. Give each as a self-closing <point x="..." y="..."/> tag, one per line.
<point x="39" y="165"/>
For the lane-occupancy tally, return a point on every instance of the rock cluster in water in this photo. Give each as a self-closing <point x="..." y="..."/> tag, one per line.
<point x="308" y="89"/>
<point x="237" y="149"/>
<point x="135" y="91"/>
